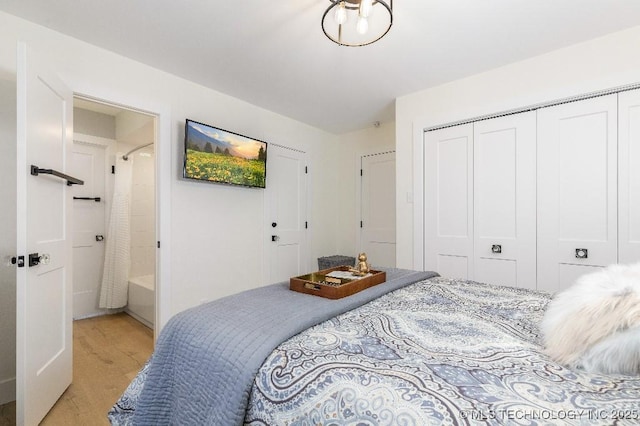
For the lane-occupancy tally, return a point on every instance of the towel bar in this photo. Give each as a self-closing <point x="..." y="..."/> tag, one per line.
<point x="96" y="199"/>
<point x="35" y="171"/>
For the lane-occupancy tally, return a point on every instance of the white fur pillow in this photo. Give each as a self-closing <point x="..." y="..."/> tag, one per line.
<point x="595" y="324"/>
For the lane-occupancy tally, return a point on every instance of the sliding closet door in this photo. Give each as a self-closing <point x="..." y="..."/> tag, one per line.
<point x="629" y="177"/>
<point x="448" y="201"/>
<point x="577" y="198"/>
<point x="505" y="200"/>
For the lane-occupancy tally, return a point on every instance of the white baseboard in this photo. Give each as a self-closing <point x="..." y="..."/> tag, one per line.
<point x="7" y="390"/>
<point x="99" y="314"/>
<point x="139" y="318"/>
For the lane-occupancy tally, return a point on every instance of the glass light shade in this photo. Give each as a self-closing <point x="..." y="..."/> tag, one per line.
<point x="365" y="8"/>
<point x="356" y="29"/>
<point x="363" y="25"/>
<point x="341" y="14"/>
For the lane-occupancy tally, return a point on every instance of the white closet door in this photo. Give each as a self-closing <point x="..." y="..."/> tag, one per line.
<point x="505" y="200"/>
<point x="629" y="177"/>
<point x="448" y="187"/>
<point x="577" y="199"/>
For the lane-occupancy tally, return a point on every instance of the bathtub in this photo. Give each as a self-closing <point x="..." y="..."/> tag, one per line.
<point x="142" y="299"/>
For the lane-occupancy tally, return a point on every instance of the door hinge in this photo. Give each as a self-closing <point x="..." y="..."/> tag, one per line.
<point x="306" y="225"/>
<point x="158" y="244"/>
<point x="306" y="170"/>
<point x="360" y="172"/>
<point x="113" y="170"/>
<point x="18" y="261"/>
<point x="360" y="224"/>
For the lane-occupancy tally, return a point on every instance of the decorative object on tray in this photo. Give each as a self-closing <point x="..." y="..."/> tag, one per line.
<point x="336" y="283"/>
<point x="363" y="267"/>
<point x="345" y="275"/>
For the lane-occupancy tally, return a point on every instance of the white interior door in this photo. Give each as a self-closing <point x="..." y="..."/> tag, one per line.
<point x="378" y="209"/>
<point x="505" y="200"/>
<point x="577" y="190"/>
<point x="88" y="164"/>
<point x="44" y="291"/>
<point x="448" y="201"/>
<point x="629" y="177"/>
<point x="287" y="224"/>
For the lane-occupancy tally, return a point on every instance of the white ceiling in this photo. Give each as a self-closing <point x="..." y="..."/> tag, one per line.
<point x="274" y="54"/>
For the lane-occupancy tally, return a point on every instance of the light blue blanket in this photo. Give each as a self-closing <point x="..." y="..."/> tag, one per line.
<point x="206" y="358"/>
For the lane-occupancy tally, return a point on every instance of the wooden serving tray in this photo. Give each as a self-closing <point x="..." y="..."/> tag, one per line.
<point x="314" y="283"/>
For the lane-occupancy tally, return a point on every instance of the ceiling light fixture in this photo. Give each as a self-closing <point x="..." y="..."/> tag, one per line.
<point x="357" y="22"/>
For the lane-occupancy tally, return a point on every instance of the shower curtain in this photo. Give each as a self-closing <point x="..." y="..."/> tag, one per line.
<point x="115" y="276"/>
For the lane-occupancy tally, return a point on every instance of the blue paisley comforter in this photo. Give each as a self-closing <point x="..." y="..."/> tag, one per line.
<point x="207" y="357"/>
<point x="438" y="352"/>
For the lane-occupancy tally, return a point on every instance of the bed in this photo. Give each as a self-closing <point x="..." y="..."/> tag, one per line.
<point x="417" y="350"/>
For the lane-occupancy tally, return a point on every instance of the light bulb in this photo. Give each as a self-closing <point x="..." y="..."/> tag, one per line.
<point x="362" y="26"/>
<point x="365" y="8"/>
<point x="341" y="14"/>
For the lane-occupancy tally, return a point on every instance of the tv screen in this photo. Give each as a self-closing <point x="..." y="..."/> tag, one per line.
<point x="216" y="155"/>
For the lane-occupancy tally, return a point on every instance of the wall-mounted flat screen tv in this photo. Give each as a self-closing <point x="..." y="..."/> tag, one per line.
<point x="216" y="155"/>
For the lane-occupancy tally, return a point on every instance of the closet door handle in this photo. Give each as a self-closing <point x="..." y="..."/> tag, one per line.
<point x="582" y="253"/>
<point x="496" y="248"/>
<point x="99" y="237"/>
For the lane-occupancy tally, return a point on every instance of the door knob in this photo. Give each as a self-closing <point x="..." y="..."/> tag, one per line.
<point x="99" y="237"/>
<point x="36" y="259"/>
<point x="274" y="238"/>
<point x="273" y="224"/>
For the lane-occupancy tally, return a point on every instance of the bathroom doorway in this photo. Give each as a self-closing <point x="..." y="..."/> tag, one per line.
<point x="114" y="225"/>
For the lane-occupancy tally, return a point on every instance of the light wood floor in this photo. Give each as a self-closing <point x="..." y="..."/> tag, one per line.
<point x="108" y="352"/>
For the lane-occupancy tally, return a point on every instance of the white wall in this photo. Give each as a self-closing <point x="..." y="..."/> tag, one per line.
<point x="133" y="130"/>
<point x="352" y="146"/>
<point x="94" y="123"/>
<point x="215" y="230"/>
<point x="7" y="240"/>
<point x="133" y="127"/>
<point x="599" y="64"/>
<point x="143" y="219"/>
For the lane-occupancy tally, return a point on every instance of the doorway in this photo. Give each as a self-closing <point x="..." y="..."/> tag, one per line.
<point x="93" y="152"/>
<point x="38" y="163"/>
<point x="114" y="231"/>
<point x="7" y="241"/>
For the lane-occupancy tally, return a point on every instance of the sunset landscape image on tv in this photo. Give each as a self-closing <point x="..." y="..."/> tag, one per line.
<point x="217" y="155"/>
